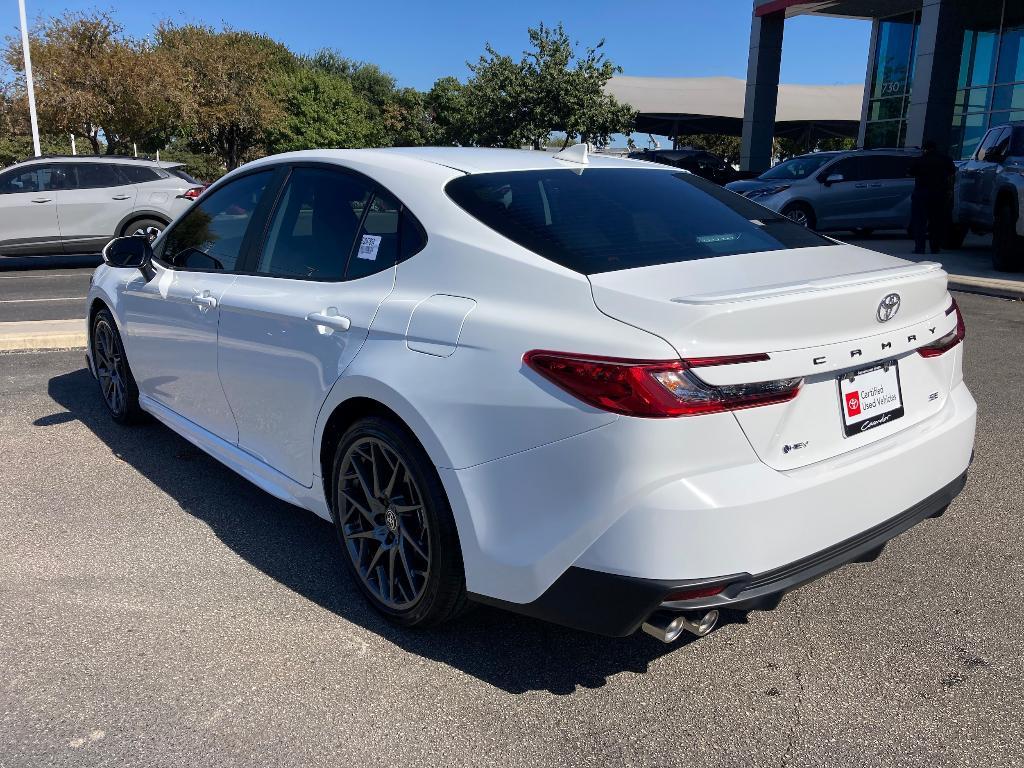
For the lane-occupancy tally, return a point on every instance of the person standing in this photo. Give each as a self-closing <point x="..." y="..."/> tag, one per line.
<point x="931" y="202"/>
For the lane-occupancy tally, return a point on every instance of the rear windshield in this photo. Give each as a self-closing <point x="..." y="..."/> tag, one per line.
<point x="604" y="219"/>
<point x="797" y="168"/>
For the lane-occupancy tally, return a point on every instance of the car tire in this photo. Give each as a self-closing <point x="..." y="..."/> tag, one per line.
<point x="110" y="364"/>
<point x="1007" y="245"/>
<point x="395" y="525"/>
<point x="801" y="213"/>
<point x="150" y="228"/>
<point x="955" y="236"/>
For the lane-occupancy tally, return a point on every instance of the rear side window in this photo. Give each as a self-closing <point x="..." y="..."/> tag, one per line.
<point x="139" y="174"/>
<point x="183" y="175"/>
<point x="377" y="244"/>
<point x="604" y="219"/>
<point x="95" y="176"/>
<point x="210" y="236"/>
<point x="315" y="225"/>
<point x="885" y="167"/>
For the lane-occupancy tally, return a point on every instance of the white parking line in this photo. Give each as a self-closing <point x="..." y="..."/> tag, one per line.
<point x="30" y="301"/>
<point x="37" y="277"/>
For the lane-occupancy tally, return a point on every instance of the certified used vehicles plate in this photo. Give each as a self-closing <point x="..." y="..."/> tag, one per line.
<point x="870" y="398"/>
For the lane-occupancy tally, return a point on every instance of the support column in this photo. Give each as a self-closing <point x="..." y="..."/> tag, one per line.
<point x="762" y="94"/>
<point x="936" y="68"/>
<point x="872" y="54"/>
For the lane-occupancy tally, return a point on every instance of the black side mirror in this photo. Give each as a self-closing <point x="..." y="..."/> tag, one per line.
<point x="832" y="178"/>
<point x="129" y="252"/>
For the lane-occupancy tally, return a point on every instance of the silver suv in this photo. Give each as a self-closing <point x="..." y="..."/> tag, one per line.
<point x="860" y="190"/>
<point x="53" y="205"/>
<point x="989" y="195"/>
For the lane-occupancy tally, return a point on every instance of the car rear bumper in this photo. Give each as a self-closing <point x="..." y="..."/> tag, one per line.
<point x="616" y="605"/>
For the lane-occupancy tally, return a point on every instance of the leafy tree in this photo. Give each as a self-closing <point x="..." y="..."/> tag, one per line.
<point x="320" y="110"/>
<point x="229" y="75"/>
<point x="94" y="81"/>
<point x="555" y="87"/>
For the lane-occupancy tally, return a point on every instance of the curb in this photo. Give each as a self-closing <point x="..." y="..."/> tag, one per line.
<point x="42" y="335"/>
<point x="985" y="286"/>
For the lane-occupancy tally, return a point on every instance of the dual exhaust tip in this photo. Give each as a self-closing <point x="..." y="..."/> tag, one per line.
<point x="667" y="627"/>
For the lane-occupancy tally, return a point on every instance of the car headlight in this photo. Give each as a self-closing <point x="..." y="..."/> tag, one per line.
<point x="767" y="191"/>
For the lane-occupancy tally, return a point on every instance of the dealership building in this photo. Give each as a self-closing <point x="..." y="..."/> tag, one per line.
<point x="945" y="70"/>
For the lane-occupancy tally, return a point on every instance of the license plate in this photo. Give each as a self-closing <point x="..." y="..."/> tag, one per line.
<point x="870" y="398"/>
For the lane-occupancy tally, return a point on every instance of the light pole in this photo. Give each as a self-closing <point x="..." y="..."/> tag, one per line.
<point x="28" y="79"/>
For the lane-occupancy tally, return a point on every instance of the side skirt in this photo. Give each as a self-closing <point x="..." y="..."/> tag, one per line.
<point x="252" y="469"/>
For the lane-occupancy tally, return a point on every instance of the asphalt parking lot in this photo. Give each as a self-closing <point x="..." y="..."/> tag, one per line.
<point x="158" y="610"/>
<point x="44" y="288"/>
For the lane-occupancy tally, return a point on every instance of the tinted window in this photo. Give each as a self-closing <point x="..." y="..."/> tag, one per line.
<point x="181" y="174"/>
<point x="95" y="175"/>
<point x="57" y="176"/>
<point x="797" y="168"/>
<point x="604" y="219"/>
<point x="139" y="174"/>
<point x="412" y="239"/>
<point x="848" y="168"/>
<point x="315" y="225"/>
<point x="990" y="139"/>
<point x="1002" y="146"/>
<point x="885" y="166"/>
<point x="377" y="245"/>
<point x="210" y="235"/>
<point x="13" y="182"/>
<point x="1017" y="149"/>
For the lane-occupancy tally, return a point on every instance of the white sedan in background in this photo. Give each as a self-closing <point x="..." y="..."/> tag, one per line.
<point x="602" y="392"/>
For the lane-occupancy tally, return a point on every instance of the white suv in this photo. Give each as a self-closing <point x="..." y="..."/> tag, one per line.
<point x="53" y="205"/>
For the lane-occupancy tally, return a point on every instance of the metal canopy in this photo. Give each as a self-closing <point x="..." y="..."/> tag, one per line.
<point x="679" y="106"/>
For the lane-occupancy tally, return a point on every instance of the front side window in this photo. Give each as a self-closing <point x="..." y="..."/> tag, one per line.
<point x="14" y="182"/>
<point x="56" y="176"/>
<point x="211" y="234"/>
<point x="848" y="168"/>
<point x="315" y="225"/>
<point x="797" y="168"/>
<point x="605" y="219"/>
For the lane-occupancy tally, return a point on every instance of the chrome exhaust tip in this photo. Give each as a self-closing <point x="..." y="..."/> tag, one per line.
<point x="667" y="627"/>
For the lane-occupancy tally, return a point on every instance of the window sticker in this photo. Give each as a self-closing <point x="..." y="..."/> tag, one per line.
<point x="368" y="247"/>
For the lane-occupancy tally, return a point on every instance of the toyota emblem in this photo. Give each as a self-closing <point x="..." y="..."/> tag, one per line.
<point x="888" y="308"/>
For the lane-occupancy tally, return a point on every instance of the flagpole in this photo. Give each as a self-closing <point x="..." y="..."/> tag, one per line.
<point x="28" y="79"/>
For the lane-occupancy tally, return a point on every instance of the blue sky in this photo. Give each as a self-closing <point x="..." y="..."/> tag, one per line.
<point x="419" y="42"/>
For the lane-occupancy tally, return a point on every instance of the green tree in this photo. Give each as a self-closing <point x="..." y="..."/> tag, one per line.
<point x="320" y="110"/>
<point x="93" y="81"/>
<point x="230" y="77"/>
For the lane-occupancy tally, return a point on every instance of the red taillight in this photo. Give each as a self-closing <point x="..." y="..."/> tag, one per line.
<point x="655" y="388"/>
<point x="194" y="193"/>
<point x="951" y="339"/>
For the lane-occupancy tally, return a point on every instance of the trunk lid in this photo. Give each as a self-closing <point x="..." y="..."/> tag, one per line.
<point x="815" y="312"/>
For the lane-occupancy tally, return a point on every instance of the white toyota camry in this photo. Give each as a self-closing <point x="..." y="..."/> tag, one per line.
<point x="597" y="391"/>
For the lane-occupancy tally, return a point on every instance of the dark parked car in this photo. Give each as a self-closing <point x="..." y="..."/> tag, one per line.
<point x="989" y="195"/>
<point x="697" y="161"/>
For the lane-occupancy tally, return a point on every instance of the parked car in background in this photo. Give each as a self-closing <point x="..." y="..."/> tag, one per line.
<point x="859" y="190"/>
<point x="592" y="390"/>
<point x="75" y="204"/>
<point x="705" y="164"/>
<point x="989" y="195"/>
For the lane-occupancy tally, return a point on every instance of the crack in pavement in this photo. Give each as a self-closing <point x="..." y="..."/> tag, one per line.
<point x="801" y="689"/>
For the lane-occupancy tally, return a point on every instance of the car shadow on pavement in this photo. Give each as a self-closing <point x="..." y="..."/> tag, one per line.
<point x="299" y="550"/>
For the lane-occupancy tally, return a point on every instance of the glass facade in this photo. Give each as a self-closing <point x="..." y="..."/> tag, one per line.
<point x="990" y="89"/>
<point x="892" y="74"/>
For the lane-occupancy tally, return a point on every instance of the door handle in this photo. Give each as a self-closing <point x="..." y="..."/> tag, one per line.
<point x="120" y="197"/>
<point x="860" y="186"/>
<point x="876" y="186"/>
<point x="42" y="199"/>
<point x="204" y="300"/>
<point x="330" y="318"/>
